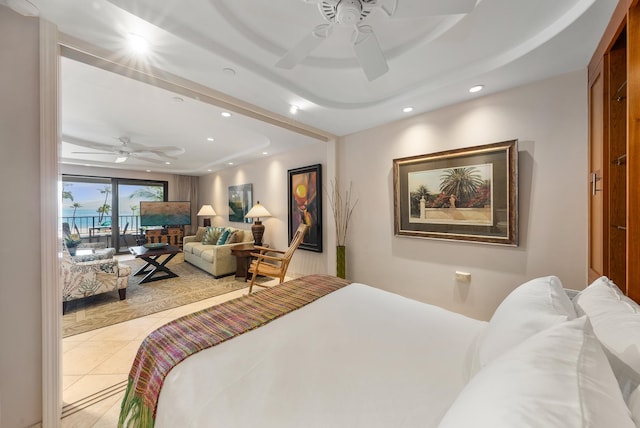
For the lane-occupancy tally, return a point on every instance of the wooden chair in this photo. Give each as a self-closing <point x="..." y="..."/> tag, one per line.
<point x="272" y="265"/>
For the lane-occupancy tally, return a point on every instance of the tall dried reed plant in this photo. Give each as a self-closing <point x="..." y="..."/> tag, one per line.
<point x="342" y="207"/>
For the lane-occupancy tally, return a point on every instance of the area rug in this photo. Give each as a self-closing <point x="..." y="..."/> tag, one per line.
<point x="191" y="285"/>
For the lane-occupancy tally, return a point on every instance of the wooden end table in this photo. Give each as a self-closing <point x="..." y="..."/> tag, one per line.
<point x="155" y="264"/>
<point x="243" y="259"/>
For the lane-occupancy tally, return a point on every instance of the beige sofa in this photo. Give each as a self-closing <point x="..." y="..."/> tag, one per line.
<point x="215" y="259"/>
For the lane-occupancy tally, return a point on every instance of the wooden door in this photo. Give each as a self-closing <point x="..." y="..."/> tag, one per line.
<point x="597" y="217"/>
<point x="633" y="154"/>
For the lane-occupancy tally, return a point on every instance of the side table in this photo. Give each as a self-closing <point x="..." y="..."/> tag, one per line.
<point x="242" y="252"/>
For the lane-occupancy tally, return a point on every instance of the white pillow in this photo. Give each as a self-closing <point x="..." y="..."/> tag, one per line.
<point x="616" y="323"/>
<point x="559" y="377"/>
<point x="530" y="308"/>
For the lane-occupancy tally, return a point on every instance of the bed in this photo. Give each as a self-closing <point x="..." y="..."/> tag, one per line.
<point x="322" y="352"/>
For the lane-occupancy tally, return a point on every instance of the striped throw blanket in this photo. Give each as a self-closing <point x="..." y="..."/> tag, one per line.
<point x="164" y="348"/>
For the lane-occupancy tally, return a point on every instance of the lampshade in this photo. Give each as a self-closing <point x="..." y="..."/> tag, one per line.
<point x="206" y="210"/>
<point x="258" y="211"/>
<point x="257" y="229"/>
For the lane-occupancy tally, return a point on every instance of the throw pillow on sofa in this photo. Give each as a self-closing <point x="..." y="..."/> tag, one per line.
<point x="235" y="237"/>
<point x="212" y="235"/>
<point x="223" y="238"/>
<point x="200" y="233"/>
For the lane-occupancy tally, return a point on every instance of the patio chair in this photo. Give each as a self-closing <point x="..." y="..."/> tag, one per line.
<point x="267" y="264"/>
<point x="124" y="234"/>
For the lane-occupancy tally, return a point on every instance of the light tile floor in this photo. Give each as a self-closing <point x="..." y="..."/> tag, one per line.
<point x="95" y="364"/>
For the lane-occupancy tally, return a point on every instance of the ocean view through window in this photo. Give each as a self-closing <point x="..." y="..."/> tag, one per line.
<point x="107" y="209"/>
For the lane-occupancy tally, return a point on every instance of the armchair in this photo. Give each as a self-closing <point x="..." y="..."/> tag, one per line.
<point x="84" y="278"/>
<point x="267" y="263"/>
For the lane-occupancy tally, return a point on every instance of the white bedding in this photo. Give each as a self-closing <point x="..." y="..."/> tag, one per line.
<point x="359" y="357"/>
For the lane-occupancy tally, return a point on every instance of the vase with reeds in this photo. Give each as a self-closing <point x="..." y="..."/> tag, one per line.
<point x="342" y="207"/>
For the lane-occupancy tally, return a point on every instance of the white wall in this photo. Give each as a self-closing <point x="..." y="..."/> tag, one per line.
<point x="549" y="119"/>
<point x="270" y="181"/>
<point x="20" y="301"/>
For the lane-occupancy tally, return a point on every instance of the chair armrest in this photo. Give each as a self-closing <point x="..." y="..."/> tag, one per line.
<point x="94" y="245"/>
<point x="267" y="250"/>
<point x="266" y="257"/>
<point x="92" y="257"/>
<point x="95" y="266"/>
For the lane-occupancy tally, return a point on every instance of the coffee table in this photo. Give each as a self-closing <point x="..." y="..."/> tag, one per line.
<point x="155" y="263"/>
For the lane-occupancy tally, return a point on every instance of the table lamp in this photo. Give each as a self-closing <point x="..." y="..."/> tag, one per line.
<point x="207" y="212"/>
<point x="257" y="228"/>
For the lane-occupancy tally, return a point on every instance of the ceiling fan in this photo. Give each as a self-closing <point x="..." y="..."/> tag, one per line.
<point x="128" y="149"/>
<point x="365" y="44"/>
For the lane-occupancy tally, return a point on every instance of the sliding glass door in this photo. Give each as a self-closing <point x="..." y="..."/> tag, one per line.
<point x="129" y="195"/>
<point x="106" y="210"/>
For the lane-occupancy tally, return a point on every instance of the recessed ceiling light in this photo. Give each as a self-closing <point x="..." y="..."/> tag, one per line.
<point x="138" y="44"/>
<point x="210" y="139"/>
<point x="230" y="163"/>
<point x="148" y="170"/>
<point x="407" y="109"/>
<point x="265" y="153"/>
<point x="167" y="163"/>
<point x="294" y="109"/>
<point x="209" y="170"/>
<point x="476" y="88"/>
<point x="225" y="114"/>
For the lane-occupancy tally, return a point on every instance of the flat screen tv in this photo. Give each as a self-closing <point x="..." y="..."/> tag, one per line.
<point x="165" y="213"/>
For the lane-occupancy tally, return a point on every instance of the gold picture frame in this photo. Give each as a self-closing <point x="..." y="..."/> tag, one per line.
<point x="467" y="194"/>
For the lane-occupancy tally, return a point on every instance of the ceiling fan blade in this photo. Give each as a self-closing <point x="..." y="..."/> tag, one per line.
<point x="88" y="144"/>
<point x="421" y="8"/>
<point x="167" y="150"/>
<point x="146" y="159"/>
<point x="92" y="153"/>
<point x="305" y="46"/>
<point x="369" y="53"/>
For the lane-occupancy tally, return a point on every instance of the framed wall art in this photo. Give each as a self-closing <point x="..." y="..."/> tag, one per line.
<point x="305" y="205"/>
<point x="467" y="194"/>
<point x="240" y="202"/>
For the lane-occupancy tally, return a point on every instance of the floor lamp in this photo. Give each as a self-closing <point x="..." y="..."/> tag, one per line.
<point x="206" y="211"/>
<point x="257" y="228"/>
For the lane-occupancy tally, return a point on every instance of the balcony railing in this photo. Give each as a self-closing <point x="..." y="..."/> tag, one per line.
<point x="90" y="228"/>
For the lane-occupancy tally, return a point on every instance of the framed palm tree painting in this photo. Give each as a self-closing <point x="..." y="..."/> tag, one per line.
<point x="467" y="194"/>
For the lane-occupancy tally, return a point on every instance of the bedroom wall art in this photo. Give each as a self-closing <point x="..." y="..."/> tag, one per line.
<point x="240" y="202"/>
<point x="305" y="205"/>
<point x="467" y="194"/>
